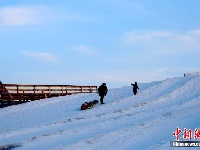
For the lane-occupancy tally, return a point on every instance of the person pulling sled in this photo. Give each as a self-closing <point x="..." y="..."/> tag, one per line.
<point x="102" y="91"/>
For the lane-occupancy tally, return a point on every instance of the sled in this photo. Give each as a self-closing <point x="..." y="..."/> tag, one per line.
<point x="89" y="105"/>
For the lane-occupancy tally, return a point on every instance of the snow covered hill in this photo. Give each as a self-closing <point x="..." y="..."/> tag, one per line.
<point x="126" y="122"/>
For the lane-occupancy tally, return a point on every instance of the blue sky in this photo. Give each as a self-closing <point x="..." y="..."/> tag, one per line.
<point x="87" y="42"/>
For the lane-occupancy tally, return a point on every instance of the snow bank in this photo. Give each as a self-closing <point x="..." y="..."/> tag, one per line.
<point x="143" y="121"/>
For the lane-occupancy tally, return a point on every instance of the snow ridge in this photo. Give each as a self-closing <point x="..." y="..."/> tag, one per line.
<point x="126" y="121"/>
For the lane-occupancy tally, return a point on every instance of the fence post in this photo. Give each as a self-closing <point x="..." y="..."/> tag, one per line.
<point x="17" y="92"/>
<point x="49" y="91"/>
<point x="90" y="89"/>
<point x="34" y="93"/>
<point x="2" y="96"/>
<point x="66" y="91"/>
<point x="81" y="89"/>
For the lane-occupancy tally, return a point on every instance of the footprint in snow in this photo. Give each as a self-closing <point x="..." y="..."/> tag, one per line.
<point x="168" y="114"/>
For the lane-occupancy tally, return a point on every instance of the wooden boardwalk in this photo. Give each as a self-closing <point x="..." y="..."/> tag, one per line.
<point x="19" y="93"/>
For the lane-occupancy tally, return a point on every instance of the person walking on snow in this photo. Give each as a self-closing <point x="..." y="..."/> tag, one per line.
<point x="102" y="91"/>
<point x="135" y="87"/>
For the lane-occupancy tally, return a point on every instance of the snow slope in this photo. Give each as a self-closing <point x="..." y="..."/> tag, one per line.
<point x="126" y="122"/>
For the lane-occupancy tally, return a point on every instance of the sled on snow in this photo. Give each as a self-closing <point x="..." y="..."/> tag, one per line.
<point x="88" y="105"/>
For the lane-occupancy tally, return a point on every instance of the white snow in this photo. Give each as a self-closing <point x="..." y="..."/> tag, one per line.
<point x="126" y="122"/>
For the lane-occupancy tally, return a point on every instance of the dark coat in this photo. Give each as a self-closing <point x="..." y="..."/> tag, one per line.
<point x="135" y="87"/>
<point x="1" y="90"/>
<point x="102" y="90"/>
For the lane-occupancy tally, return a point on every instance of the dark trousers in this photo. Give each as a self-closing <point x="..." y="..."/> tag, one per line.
<point x="135" y="92"/>
<point x="101" y="98"/>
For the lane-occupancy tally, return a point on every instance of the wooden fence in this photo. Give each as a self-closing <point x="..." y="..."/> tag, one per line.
<point x="18" y="93"/>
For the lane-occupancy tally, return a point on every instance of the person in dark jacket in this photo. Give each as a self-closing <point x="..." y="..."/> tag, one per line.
<point x="135" y="87"/>
<point x="102" y="90"/>
<point x="1" y="87"/>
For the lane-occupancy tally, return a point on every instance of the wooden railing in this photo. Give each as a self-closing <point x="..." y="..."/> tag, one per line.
<point x="21" y="92"/>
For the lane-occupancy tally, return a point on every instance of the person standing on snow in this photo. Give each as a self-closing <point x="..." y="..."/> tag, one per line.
<point x="1" y="88"/>
<point x="102" y="91"/>
<point x="135" y="87"/>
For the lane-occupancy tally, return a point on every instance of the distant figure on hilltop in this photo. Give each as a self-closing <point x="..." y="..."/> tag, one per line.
<point x="102" y="91"/>
<point x="135" y="87"/>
